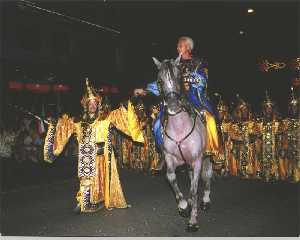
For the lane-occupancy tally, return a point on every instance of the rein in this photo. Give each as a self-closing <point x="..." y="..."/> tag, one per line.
<point x="178" y="143"/>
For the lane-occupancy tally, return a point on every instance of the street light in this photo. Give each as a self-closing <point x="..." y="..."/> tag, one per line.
<point x="250" y="10"/>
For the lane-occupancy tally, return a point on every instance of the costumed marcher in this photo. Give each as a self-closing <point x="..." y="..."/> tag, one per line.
<point x="194" y="74"/>
<point x="268" y="129"/>
<point x="97" y="168"/>
<point x="139" y="151"/>
<point x="117" y="144"/>
<point x="104" y="111"/>
<point x="291" y="141"/>
<point x="127" y="146"/>
<point x="224" y="160"/>
<point x="139" y="159"/>
<point x="242" y="133"/>
<point x="154" y="155"/>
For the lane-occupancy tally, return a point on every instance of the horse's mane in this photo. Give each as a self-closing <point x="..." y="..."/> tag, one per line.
<point x="186" y="104"/>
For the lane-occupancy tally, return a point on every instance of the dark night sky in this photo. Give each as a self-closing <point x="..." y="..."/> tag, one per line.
<point x="152" y="29"/>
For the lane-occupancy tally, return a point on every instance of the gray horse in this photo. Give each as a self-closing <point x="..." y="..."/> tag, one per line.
<point x="184" y="142"/>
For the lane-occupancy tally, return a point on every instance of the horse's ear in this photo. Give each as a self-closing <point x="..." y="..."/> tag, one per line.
<point x="177" y="60"/>
<point x="157" y="63"/>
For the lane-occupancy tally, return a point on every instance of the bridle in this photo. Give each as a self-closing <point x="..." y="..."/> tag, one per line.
<point x="173" y="93"/>
<point x="177" y="95"/>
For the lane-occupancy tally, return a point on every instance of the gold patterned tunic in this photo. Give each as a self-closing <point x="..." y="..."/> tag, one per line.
<point x="243" y="150"/>
<point x="291" y="145"/>
<point x="97" y="172"/>
<point x="268" y="148"/>
<point x="226" y="157"/>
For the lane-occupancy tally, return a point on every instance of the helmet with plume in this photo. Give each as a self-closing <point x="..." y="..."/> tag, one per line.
<point x="90" y="94"/>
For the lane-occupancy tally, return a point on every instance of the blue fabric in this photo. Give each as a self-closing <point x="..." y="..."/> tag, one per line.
<point x="196" y="94"/>
<point x="153" y="88"/>
<point x="157" y="128"/>
<point x="199" y="100"/>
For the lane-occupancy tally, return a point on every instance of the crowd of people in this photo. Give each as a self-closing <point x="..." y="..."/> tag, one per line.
<point x="132" y="155"/>
<point x="253" y="145"/>
<point x="260" y="146"/>
<point x="244" y="143"/>
<point x="22" y="139"/>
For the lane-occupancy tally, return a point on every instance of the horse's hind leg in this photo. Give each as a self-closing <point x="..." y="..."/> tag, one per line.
<point x="171" y="176"/>
<point x="192" y="225"/>
<point x="206" y="175"/>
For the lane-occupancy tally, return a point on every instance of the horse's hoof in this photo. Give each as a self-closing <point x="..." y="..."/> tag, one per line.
<point x="192" y="227"/>
<point x="185" y="212"/>
<point x="77" y="209"/>
<point x="204" y="206"/>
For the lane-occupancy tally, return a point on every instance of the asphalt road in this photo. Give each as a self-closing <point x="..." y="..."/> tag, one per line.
<point x="239" y="208"/>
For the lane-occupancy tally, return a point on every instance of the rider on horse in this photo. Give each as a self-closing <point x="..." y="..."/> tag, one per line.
<point x="195" y="75"/>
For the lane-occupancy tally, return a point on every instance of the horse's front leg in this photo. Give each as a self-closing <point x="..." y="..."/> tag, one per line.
<point x="206" y="175"/>
<point x="171" y="176"/>
<point x="192" y="225"/>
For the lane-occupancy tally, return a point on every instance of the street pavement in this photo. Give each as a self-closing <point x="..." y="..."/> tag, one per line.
<point x="239" y="208"/>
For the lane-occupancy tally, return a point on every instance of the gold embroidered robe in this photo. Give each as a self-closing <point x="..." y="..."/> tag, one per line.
<point x="98" y="173"/>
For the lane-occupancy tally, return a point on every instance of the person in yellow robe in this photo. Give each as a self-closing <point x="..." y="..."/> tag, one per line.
<point x="140" y="151"/>
<point x="223" y="162"/>
<point x="269" y="129"/>
<point x="242" y="133"/>
<point x="97" y="169"/>
<point x="289" y="161"/>
<point x="154" y="155"/>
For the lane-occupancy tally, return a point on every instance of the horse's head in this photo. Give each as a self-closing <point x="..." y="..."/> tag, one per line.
<point x="169" y="83"/>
